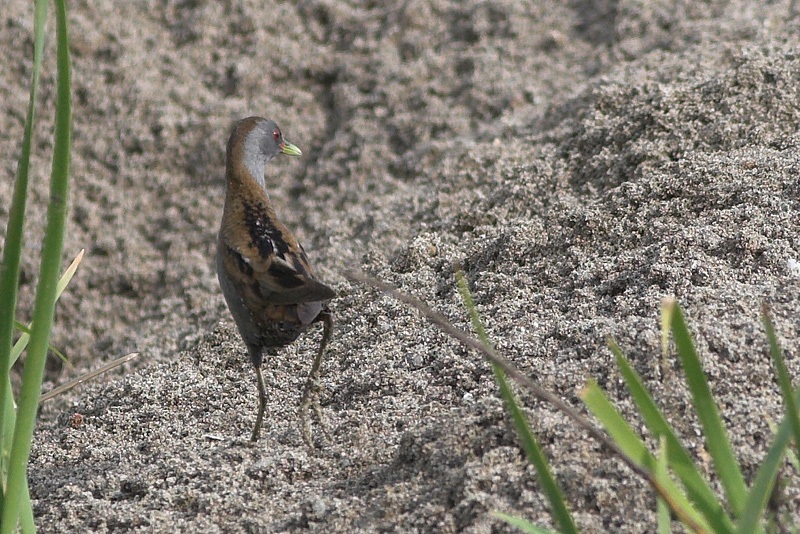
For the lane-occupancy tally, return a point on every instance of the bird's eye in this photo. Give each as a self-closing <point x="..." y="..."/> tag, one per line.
<point x="276" y="135"/>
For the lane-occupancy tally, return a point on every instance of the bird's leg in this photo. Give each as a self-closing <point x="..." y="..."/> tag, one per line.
<point x="257" y="358"/>
<point x="310" y="396"/>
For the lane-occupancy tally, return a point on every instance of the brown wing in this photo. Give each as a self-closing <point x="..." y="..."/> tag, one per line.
<point x="291" y="282"/>
<point x="276" y="280"/>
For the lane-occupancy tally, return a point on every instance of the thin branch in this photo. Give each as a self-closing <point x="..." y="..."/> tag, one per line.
<point x="63" y="388"/>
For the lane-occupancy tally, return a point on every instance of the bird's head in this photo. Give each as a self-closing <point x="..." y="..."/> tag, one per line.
<point x="256" y="141"/>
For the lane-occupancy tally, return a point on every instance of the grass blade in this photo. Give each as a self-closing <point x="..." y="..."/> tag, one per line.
<point x="9" y="409"/>
<point x="680" y="461"/>
<point x="717" y="442"/>
<point x="761" y="489"/>
<point x="767" y="473"/>
<point x="26" y="330"/>
<point x="65" y="279"/>
<point x="662" y="510"/>
<point x="10" y="415"/>
<point x="9" y="274"/>
<point x="9" y="419"/>
<point x="26" y="522"/>
<point x="632" y="445"/>
<point x="783" y="376"/>
<point x="48" y="277"/>
<point x="530" y="444"/>
<point x="12" y="251"/>
<point x="533" y="451"/>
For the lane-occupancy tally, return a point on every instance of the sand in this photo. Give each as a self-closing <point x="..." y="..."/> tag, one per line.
<point x="580" y="160"/>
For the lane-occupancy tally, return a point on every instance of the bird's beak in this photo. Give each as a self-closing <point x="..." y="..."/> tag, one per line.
<point x="289" y="149"/>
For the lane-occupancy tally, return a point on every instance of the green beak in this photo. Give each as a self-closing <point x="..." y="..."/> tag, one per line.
<point x="289" y="149"/>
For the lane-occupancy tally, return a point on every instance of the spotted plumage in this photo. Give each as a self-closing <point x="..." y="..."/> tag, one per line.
<point x="264" y="273"/>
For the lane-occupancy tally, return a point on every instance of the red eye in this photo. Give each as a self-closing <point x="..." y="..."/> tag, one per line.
<point x="276" y="135"/>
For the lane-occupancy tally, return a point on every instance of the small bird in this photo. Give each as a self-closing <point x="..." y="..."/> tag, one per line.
<point x="263" y="271"/>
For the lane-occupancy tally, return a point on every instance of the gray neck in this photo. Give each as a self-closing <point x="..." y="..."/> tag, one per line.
<point x="254" y="159"/>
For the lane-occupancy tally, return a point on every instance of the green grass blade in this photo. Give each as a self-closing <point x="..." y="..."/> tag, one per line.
<point x="26" y="512"/>
<point x="791" y="456"/>
<point x="12" y="251"/>
<point x="26" y="330"/>
<point x="783" y="376"/>
<point x="717" y="442"/>
<point x="767" y="473"/>
<point x="9" y="273"/>
<point x="522" y="524"/>
<point x="530" y="444"/>
<point x="662" y="510"/>
<point x="632" y="445"/>
<point x="44" y="305"/>
<point x="65" y="279"/>
<point x="26" y="522"/>
<point x="680" y="461"/>
<point x="9" y="418"/>
<point x="535" y="454"/>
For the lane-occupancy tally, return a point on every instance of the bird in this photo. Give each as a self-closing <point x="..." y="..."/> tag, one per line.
<point x="263" y="271"/>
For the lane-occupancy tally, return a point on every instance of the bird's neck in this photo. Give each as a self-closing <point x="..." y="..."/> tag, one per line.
<point x="243" y="189"/>
<point x="245" y="161"/>
<point x="248" y="170"/>
<point x="242" y="184"/>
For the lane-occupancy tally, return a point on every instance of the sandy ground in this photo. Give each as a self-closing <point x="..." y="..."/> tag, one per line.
<point x="582" y="160"/>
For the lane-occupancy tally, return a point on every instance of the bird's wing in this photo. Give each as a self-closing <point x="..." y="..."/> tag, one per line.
<point x="278" y="275"/>
<point x="287" y="279"/>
